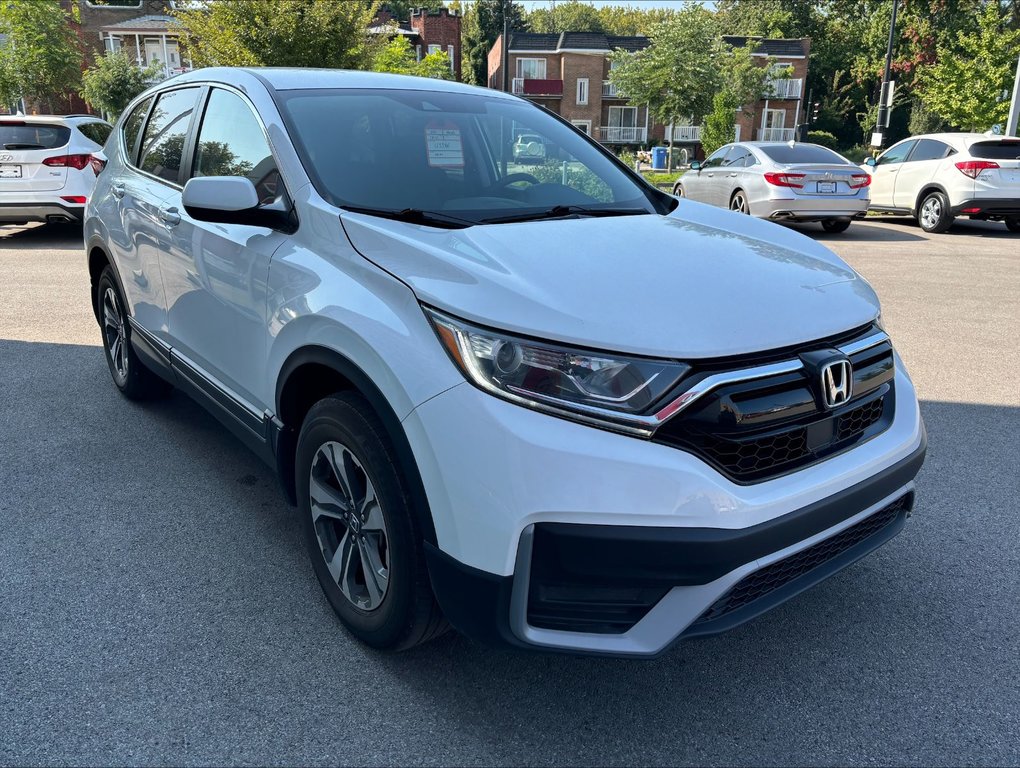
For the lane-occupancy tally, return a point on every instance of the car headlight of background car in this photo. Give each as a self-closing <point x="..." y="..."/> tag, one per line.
<point x="604" y="388"/>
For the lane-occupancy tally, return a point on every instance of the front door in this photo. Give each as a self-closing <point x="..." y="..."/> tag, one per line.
<point x="883" y="175"/>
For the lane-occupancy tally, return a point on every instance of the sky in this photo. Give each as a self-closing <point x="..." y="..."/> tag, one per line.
<point x="674" y="4"/>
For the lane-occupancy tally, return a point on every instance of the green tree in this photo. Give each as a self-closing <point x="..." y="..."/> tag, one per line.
<point x="965" y="83"/>
<point x="397" y="57"/>
<point x="743" y="82"/>
<point x="114" y="80"/>
<point x="41" y="57"/>
<point x="401" y="9"/>
<point x="481" y="24"/>
<point x="568" y="16"/>
<point x="280" y="33"/>
<point x="678" y="74"/>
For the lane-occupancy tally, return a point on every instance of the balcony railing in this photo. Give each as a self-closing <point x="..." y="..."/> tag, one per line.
<point x="611" y="134"/>
<point x="526" y="86"/>
<point x="687" y="133"/>
<point x="610" y="91"/>
<point x="775" y="134"/>
<point x="783" y="89"/>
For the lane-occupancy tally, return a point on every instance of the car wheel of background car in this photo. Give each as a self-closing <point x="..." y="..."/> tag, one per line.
<point x="1013" y="224"/>
<point x="835" y="225"/>
<point x="678" y="190"/>
<point x="934" y="215"/>
<point x="362" y="537"/>
<point x="738" y="202"/>
<point x="133" y="379"/>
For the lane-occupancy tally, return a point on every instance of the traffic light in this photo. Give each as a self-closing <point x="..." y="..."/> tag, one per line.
<point x="815" y="109"/>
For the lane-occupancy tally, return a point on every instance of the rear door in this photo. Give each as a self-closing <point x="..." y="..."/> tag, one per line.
<point x="733" y="173"/>
<point x="1002" y="181"/>
<point x="917" y="170"/>
<point x="883" y="175"/>
<point x="33" y="158"/>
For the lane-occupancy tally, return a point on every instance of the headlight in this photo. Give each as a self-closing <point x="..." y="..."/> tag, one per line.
<point x="611" y="390"/>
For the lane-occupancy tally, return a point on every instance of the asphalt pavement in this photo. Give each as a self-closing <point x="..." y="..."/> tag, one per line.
<point x="157" y="605"/>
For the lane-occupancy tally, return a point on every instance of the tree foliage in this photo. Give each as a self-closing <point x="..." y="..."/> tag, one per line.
<point x="743" y="81"/>
<point x="401" y="9"/>
<point x="41" y="58"/>
<point x="481" y="24"/>
<point x="398" y="58"/>
<point x="965" y="84"/>
<point x="280" y="33"/>
<point x="114" y="80"/>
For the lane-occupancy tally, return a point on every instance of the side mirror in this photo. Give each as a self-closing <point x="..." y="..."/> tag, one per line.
<point x="232" y="200"/>
<point x="695" y="165"/>
<point x="871" y="161"/>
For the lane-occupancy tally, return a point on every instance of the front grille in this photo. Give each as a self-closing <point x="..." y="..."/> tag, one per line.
<point x="770" y="578"/>
<point x="759" y="429"/>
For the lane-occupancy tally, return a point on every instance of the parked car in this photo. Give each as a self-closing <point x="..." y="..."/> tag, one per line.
<point x="582" y="416"/>
<point x="46" y="167"/>
<point x="529" y="148"/>
<point x="939" y="176"/>
<point x="782" y="181"/>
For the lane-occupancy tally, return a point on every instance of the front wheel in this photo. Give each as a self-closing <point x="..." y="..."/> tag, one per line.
<point x="1013" y="224"/>
<point x="934" y="215"/>
<point x="835" y="225"/>
<point x="360" y="530"/>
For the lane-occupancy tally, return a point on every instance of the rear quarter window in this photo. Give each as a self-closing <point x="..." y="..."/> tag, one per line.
<point x="19" y="134"/>
<point x="97" y="132"/>
<point x="132" y="127"/>
<point x="996" y="150"/>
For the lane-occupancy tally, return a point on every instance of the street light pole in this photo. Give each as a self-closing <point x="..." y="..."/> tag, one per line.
<point x="1014" y="105"/>
<point x="506" y="48"/>
<point x="884" y="100"/>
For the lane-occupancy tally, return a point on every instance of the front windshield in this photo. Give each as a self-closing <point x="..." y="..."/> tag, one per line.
<point x="473" y="157"/>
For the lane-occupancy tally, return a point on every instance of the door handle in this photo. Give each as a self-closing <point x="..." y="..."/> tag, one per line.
<point x="118" y="190"/>
<point x="733" y="175"/>
<point x="169" y="216"/>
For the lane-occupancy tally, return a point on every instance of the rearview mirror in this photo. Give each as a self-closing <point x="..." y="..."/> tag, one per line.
<point x="233" y="200"/>
<point x="695" y="165"/>
<point x="871" y="161"/>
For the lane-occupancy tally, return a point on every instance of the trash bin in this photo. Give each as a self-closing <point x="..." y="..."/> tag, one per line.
<point x="659" y="158"/>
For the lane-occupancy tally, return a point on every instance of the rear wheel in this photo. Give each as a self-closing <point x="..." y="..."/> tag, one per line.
<point x="678" y="190"/>
<point x="835" y="225"/>
<point x="360" y="530"/>
<point x="1013" y="224"/>
<point x="133" y="379"/>
<point x="934" y="215"/>
<point x="738" y="202"/>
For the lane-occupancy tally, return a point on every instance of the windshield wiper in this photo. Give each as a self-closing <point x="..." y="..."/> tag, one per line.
<point x="24" y="146"/>
<point x="562" y="211"/>
<point x="414" y="216"/>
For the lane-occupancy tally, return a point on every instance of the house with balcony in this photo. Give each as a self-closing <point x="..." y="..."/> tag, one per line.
<point x="569" y="73"/>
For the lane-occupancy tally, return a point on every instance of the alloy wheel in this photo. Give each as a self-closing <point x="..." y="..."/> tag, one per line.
<point x="931" y="212"/>
<point x="349" y="525"/>
<point x="738" y="203"/>
<point x="114" y="333"/>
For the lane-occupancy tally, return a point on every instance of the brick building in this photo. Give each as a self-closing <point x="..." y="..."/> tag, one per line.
<point x="427" y="32"/>
<point x="568" y="73"/>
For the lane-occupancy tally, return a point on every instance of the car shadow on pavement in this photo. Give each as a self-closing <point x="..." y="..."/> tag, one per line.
<point x="148" y="529"/>
<point x="41" y="236"/>
<point x="859" y="231"/>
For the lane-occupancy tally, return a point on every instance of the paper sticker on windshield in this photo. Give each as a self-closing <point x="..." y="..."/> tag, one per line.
<point x="445" y="150"/>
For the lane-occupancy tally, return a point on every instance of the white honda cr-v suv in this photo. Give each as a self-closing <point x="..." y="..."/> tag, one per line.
<point x="941" y="176"/>
<point x="547" y="403"/>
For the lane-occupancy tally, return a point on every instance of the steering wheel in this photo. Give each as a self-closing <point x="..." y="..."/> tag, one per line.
<point x="513" y="178"/>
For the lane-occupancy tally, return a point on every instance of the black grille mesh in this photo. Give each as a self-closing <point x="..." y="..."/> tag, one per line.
<point x="770" y="578"/>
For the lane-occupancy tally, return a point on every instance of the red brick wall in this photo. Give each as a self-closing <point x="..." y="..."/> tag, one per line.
<point x="440" y="28"/>
<point x="573" y="67"/>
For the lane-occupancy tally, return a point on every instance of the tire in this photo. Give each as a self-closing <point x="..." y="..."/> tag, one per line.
<point x="1013" y="224"/>
<point x="738" y="203"/>
<point x="835" y="225"/>
<point x="379" y="585"/>
<point x="678" y="190"/>
<point x="933" y="215"/>
<point x="134" y="380"/>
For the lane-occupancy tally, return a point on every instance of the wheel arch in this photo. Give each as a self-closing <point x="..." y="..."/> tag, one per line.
<point x="926" y="190"/>
<point x="98" y="259"/>
<point x="313" y="372"/>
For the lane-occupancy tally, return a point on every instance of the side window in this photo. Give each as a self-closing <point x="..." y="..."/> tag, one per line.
<point x="231" y="143"/>
<point x="736" y="158"/>
<point x="97" y="132"/>
<point x="132" y="127"/>
<point x="166" y="132"/>
<point x="896" y="154"/>
<point x="715" y="158"/>
<point x="929" y="149"/>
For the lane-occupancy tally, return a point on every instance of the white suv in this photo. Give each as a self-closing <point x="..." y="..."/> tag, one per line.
<point x="937" y="177"/>
<point x="47" y="168"/>
<point x="551" y="404"/>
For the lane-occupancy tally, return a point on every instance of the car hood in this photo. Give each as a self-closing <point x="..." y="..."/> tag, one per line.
<point x="700" y="282"/>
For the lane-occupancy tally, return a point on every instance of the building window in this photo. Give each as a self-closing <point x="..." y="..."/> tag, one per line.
<point x="434" y="49"/>
<point x="582" y="125"/>
<point x="417" y="52"/>
<point x="449" y="53"/>
<point x="623" y="117"/>
<point x="582" y="91"/>
<point x="531" y="69"/>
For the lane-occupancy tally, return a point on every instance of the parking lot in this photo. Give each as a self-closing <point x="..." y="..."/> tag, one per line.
<point x="157" y="605"/>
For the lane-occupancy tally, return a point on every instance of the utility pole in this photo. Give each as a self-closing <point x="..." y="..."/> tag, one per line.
<point x="505" y="53"/>
<point x="1014" y="105"/>
<point x="885" y="99"/>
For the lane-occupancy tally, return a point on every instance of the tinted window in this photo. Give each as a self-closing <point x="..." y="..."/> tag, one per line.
<point x="737" y="157"/>
<point x="896" y="154"/>
<point x="929" y="149"/>
<point x="715" y="158"/>
<point x="97" y="132"/>
<point x="132" y="127"/>
<point x="17" y="134"/>
<point x="231" y="143"/>
<point x="163" y="142"/>
<point x="996" y="150"/>
<point x="450" y="152"/>
<point x="801" y="153"/>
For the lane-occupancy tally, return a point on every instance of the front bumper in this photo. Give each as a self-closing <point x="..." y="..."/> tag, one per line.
<point x="629" y="523"/>
<point x="19" y="213"/>
<point x="988" y="208"/>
